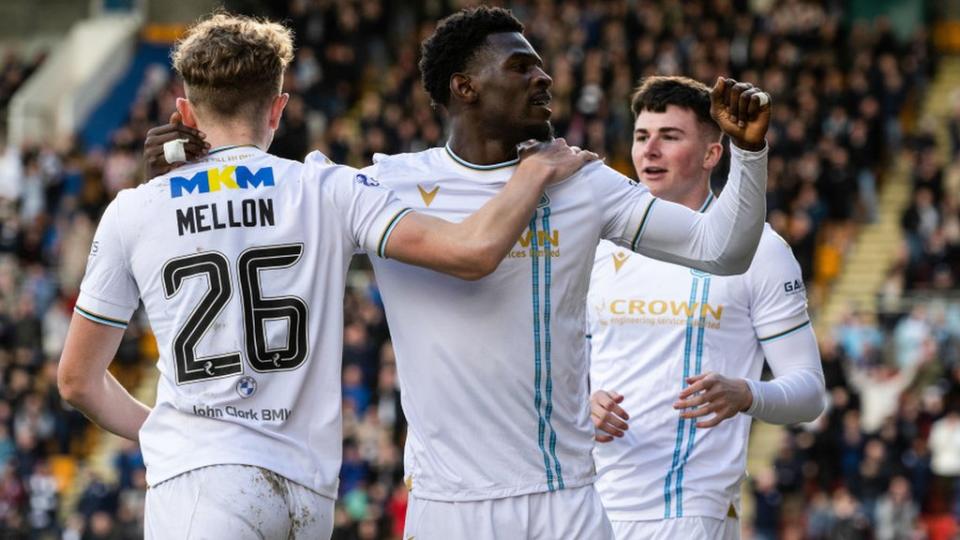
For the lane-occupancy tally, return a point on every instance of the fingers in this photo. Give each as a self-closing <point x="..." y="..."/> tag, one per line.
<point x="715" y="421"/>
<point x="175" y="118"/>
<point x="604" y="419"/>
<point x="743" y="106"/>
<point x="700" y="411"/>
<point x="608" y="401"/>
<point x="608" y="417"/>
<point x="697" y="384"/>
<point x="193" y="150"/>
<point x="528" y="147"/>
<point x="601" y="438"/>
<point x="733" y="101"/>
<point x="716" y="93"/>
<point x="695" y="401"/>
<point x="588" y="156"/>
<point x="753" y="106"/>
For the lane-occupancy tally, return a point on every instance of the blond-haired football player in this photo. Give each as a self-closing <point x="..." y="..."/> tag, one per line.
<point x="240" y="261"/>
<point x="681" y="349"/>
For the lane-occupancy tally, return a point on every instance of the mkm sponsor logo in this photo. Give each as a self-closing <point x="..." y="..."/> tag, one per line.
<point x="230" y="177"/>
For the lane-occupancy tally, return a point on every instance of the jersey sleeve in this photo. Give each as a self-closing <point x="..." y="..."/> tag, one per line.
<point x="722" y="241"/>
<point x="369" y="210"/>
<point x="108" y="293"/>
<point x="778" y="299"/>
<point x="624" y="204"/>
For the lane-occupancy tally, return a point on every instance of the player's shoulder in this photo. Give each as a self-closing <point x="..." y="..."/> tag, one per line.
<point x="773" y="258"/>
<point x="599" y="170"/>
<point x="396" y="167"/>
<point x="318" y="166"/>
<point x="773" y="246"/>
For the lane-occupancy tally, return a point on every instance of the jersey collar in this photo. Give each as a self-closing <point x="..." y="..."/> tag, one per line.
<point x="706" y="204"/>
<point x="231" y="147"/>
<point x="464" y="163"/>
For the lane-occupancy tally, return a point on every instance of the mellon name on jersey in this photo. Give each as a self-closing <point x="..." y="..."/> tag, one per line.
<point x="229" y="214"/>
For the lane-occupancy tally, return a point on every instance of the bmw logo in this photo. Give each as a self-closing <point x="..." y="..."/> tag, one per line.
<point x="246" y="387"/>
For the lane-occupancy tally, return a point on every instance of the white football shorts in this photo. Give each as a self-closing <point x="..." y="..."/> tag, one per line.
<point x="688" y="528"/>
<point x="567" y="513"/>
<point x="235" y="502"/>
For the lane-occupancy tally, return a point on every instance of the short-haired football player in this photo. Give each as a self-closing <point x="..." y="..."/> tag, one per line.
<point x="500" y="435"/>
<point x="681" y="349"/>
<point x="240" y="261"/>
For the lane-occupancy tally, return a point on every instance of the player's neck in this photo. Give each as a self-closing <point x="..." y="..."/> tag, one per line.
<point x="220" y="137"/>
<point x="471" y="146"/>
<point x="696" y="199"/>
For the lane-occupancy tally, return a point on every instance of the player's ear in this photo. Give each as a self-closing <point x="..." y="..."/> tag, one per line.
<point x="185" y="108"/>
<point x="462" y="88"/>
<point x="713" y="155"/>
<point x="276" y="109"/>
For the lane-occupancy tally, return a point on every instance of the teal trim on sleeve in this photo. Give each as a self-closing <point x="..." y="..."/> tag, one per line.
<point x="97" y="318"/>
<point x="382" y="246"/>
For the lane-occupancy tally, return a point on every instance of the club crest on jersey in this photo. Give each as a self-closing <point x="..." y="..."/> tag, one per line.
<point x="365" y="180"/>
<point x="246" y="387"/>
<point x="229" y="177"/>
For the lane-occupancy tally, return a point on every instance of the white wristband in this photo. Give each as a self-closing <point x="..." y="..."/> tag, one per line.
<point x="173" y="151"/>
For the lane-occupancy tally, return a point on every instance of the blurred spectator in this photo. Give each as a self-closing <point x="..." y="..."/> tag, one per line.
<point x="896" y="512"/>
<point x="945" y="450"/>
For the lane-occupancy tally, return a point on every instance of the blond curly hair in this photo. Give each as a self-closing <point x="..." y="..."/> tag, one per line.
<point x="233" y="65"/>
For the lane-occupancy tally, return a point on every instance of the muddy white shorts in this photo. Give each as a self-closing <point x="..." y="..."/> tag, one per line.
<point x="235" y="502"/>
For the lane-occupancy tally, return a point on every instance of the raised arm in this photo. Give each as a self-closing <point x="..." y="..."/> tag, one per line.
<point x="474" y="247"/>
<point x="723" y="240"/>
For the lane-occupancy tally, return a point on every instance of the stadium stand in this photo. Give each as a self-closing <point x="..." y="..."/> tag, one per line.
<point x="865" y="150"/>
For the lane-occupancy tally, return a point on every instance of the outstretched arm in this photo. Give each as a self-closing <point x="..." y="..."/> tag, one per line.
<point x="85" y="383"/>
<point x="474" y="247"/>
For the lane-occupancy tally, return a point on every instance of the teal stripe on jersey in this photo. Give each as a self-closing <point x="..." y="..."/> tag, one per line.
<point x="546" y="326"/>
<point x="230" y="147"/>
<point x="97" y="318"/>
<point x="643" y="224"/>
<point x="687" y="342"/>
<point x="699" y="365"/>
<point x="476" y="167"/>
<point x="382" y="245"/>
<point x="706" y="203"/>
<point x="785" y="333"/>
<point x="538" y="398"/>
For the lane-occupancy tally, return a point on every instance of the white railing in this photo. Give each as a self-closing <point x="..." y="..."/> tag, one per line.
<point x="60" y="96"/>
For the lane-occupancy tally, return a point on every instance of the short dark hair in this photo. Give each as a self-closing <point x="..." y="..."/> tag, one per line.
<point x="654" y="94"/>
<point x="455" y="42"/>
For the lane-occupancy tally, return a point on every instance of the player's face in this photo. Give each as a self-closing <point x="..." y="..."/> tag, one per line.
<point x="513" y="88"/>
<point x="671" y="152"/>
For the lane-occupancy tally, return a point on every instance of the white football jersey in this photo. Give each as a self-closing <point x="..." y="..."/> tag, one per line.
<point x="494" y="372"/>
<point x="653" y="324"/>
<point x="240" y="261"/>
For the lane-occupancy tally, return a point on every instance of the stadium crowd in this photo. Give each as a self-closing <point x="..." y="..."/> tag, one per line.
<point x="883" y="461"/>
